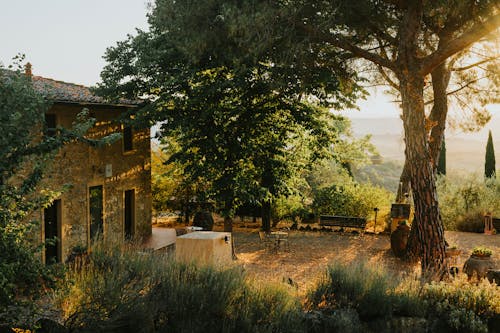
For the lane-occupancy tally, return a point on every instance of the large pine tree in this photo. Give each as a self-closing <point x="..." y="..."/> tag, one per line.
<point x="489" y="161"/>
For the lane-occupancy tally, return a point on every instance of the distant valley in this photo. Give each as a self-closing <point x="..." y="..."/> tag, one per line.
<point x="465" y="151"/>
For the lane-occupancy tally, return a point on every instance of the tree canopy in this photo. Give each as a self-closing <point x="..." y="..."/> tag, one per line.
<point x="25" y="154"/>
<point x="312" y="49"/>
<point x="244" y="122"/>
<point x="411" y="40"/>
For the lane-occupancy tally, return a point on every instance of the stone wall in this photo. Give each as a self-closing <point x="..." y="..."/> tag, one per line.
<point x="79" y="166"/>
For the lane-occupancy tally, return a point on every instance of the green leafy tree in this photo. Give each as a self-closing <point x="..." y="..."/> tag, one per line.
<point x="171" y="188"/>
<point x="441" y="167"/>
<point x="21" y="113"/>
<point x="25" y="154"/>
<point x="392" y="40"/>
<point x="310" y="48"/>
<point x="234" y="118"/>
<point x="489" y="163"/>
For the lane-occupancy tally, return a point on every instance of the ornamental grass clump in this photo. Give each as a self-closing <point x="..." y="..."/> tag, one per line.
<point x="121" y="289"/>
<point x="366" y="289"/>
<point x="462" y="306"/>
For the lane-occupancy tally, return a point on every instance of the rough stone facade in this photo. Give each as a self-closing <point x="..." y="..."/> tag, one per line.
<point x="79" y="167"/>
<point x="104" y="191"/>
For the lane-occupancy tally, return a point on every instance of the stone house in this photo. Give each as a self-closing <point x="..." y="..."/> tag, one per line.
<point x="107" y="189"/>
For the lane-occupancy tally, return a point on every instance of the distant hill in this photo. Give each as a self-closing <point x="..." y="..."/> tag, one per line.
<point x="465" y="151"/>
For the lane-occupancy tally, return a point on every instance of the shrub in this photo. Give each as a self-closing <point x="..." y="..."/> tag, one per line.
<point x="481" y="251"/>
<point x="470" y="222"/>
<point x="121" y="290"/>
<point x="203" y="219"/>
<point x="462" y="306"/>
<point x="289" y="208"/>
<point x="360" y="287"/>
<point x="351" y="199"/>
<point x="451" y="306"/>
<point x="464" y="199"/>
<point x="23" y="277"/>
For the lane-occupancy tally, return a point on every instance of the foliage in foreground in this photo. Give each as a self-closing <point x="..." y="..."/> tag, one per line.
<point x="463" y="307"/>
<point x="372" y="295"/>
<point x="118" y="290"/>
<point x="25" y="156"/>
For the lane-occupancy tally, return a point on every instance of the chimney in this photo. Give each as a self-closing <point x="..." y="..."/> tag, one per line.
<point x="27" y="70"/>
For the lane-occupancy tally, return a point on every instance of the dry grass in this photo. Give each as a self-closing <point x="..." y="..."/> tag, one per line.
<point x="310" y="254"/>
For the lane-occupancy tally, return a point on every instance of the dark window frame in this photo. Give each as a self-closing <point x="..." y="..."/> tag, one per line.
<point x="50" y="129"/>
<point x="129" y="197"/>
<point x="127" y="139"/>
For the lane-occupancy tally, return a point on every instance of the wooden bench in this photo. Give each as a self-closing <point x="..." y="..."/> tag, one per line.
<point x="342" y="221"/>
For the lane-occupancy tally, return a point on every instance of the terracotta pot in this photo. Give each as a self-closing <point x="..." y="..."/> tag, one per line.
<point x="452" y="253"/>
<point x="399" y="240"/>
<point x="493" y="275"/>
<point x="478" y="265"/>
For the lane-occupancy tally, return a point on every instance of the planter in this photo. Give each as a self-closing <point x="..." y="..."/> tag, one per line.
<point x="450" y="253"/>
<point x="399" y="240"/>
<point x="478" y="265"/>
<point x="493" y="275"/>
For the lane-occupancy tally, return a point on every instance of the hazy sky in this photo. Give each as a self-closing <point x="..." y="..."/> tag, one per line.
<point x="66" y="39"/>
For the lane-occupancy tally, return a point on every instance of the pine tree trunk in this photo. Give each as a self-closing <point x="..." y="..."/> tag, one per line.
<point x="436" y="125"/>
<point x="434" y="131"/>
<point x="428" y="240"/>
<point x="437" y="118"/>
<point x="404" y="183"/>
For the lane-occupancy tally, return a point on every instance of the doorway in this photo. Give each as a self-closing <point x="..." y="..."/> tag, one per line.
<point x="129" y="212"/>
<point x="52" y="234"/>
<point x="96" y="209"/>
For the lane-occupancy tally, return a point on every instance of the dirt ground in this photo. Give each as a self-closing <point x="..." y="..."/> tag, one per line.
<point x="311" y="252"/>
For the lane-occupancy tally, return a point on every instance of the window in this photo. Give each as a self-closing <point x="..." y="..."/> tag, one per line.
<point x="96" y="208"/>
<point x="50" y="124"/>
<point x="128" y="136"/>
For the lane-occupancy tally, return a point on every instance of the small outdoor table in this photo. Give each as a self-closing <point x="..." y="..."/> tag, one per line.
<point x="281" y="238"/>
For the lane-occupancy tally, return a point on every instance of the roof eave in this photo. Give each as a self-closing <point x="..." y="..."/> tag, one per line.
<point x="59" y="101"/>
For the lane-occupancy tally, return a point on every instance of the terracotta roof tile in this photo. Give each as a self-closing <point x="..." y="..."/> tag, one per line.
<point x="60" y="91"/>
<point x="64" y="92"/>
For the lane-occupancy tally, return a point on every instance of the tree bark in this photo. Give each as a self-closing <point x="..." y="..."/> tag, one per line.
<point x="267" y="182"/>
<point x="427" y="224"/>
<point x="437" y="118"/>
<point x="435" y="126"/>
<point x="266" y="215"/>
<point x="228" y="224"/>
<point x="404" y="183"/>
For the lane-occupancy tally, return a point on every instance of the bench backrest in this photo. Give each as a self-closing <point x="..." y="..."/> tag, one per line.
<point x="342" y="221"/>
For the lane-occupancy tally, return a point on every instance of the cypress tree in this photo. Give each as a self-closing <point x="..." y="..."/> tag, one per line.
<point x="441" y="168"/>
<point x="489" y="161"/>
